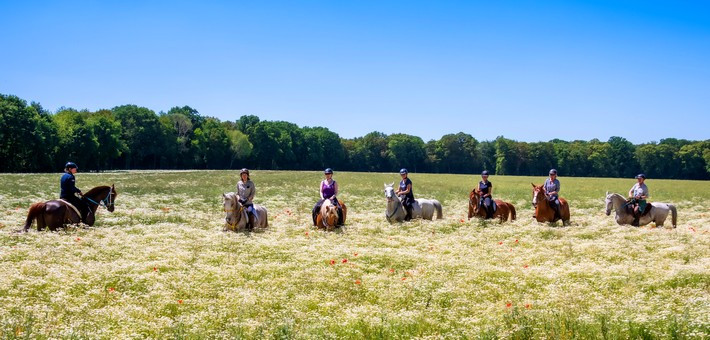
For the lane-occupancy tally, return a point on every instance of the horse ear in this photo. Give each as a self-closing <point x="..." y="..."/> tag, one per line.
<point x="385" y="185"/>
<point x="607" y="193"/>
<point x="224" y="195"/>
<point x="532" y="184"/>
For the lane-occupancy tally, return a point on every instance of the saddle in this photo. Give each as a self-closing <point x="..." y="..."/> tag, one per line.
<point x="629" y="206"/>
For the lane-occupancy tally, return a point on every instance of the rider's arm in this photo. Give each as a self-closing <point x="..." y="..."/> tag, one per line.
<point x="490" y="191"/>
<point x="335" y="187"/>
<point x="253" y="192"/>
<point x="321" y="189"/>
<point x="406" y="191"/>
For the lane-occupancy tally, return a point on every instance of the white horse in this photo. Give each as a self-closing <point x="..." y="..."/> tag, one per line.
<point x="658" y="214"/>
<point x="422" y="208"/>
<point x="236" y="214"/>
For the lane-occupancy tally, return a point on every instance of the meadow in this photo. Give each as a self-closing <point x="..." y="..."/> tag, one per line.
<point x="160" y="266"/>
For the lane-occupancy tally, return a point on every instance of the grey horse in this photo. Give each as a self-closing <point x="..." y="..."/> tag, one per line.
<point x="422" y="208"/>
<point x="236" y="213"/>
<point x="658" y="213"/>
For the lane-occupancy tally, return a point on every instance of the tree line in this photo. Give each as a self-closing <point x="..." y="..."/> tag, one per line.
<point x="33" y="139"/>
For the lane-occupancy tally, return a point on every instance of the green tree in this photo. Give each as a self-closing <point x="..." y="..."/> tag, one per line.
<point x="406" y="151"/>
<point x="143" y="134"/>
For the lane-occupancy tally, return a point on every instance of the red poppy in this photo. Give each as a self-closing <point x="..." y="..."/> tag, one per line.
<point x="525" y="266"/>
<point x="155" y="269"/>
<point x="461" y="220"/>
<point x="111" y="289"/>
<point x="345" y="260"/>
<point x="355" y="254"/>
<point x="332" y="262"/>
<point x="357" y="282"/>
<point x="508" y="305"/>
<point x="528" y="306"/>
<point x="306" y="233"/>
<point x="391" y="270"/>
<point x="500" y="243"/>
<point x="78" y="238"/>
<point x="404" y="278"/>
<point x="180" y="301"/>
<point x="516" y="241"/>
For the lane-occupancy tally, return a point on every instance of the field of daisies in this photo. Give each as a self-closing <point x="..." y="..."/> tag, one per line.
<point x="160" y="266"/>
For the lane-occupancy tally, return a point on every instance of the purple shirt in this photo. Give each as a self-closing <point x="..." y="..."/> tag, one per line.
<point x="327" y="190"/>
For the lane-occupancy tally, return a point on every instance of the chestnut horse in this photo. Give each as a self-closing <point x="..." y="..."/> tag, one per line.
<point x="56" y="213"/>
<point x="504" y="210"/>
<point x="544" y="212"/>
<point x="328" y="217"/>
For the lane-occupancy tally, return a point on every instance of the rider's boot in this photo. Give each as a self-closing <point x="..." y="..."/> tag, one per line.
<point x="250" y="222"/>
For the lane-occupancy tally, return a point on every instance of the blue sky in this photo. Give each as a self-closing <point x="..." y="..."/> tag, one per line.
<point x="527" y="70"/>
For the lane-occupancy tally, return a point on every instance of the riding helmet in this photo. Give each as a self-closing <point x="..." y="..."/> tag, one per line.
<point x="328" y="171"/>
<point x="553" y="172"/>
<point x="71" y="165"/>
<point x="244" y="171"/>
<point x="641" y="176"/>
<point x="403" y="171"/>
<point x="484" y="173"/>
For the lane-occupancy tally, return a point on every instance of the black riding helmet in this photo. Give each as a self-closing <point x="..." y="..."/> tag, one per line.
<point x="328" y="171"/>
<point x="403" y="171"/>
<point x="71" y="165"/>
<point x="484" y="173"/>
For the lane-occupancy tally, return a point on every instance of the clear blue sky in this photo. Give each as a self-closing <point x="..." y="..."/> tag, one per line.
<point x="527" y="70"/>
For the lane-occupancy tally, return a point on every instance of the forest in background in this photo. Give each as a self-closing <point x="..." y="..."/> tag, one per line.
<point x="33" y="139"/>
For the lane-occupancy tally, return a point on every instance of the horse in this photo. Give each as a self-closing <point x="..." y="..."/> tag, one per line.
<point x="544" y="212"/>
<point x="236" y="214"/>
<point x="655" y="212"/>
<point x="422" y="208"/>
<point x="56" y="213"/>
<point x="504" y="210"/>
<point x="328" y="217"/>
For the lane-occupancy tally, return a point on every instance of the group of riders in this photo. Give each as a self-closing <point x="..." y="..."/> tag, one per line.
<point x="329" y="191"/>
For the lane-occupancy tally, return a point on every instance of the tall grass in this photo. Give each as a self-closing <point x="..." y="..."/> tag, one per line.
<point x="160" y="266"/>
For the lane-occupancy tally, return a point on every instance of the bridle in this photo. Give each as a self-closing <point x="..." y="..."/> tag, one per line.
<point x="106" y="201"/>
<point x="239" y="213"/>
<point x="392" y="198"/>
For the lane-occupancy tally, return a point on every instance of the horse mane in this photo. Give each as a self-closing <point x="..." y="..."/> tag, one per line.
<point x="96" y="190"/>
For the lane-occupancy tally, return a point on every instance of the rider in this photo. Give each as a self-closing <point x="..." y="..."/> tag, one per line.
<point x="405" y="193"/>
<point x="552" y="190"/>
<point x="328" y="190"/>
<point x="246" y="191"/>
<point x="486" y="189"/>
<point x="638" y="195"/>
<point x="69" y="190"/>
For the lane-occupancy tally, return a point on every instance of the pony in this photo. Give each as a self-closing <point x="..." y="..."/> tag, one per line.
<point x="422" y="208"/>
<point x="328" y="217"/>
<point x="236" y="214"/>
<point x="504" y="210"/>
<point x="56" y="213"/>
<point x="655" y="212"/>
<point x="544" y="212"/>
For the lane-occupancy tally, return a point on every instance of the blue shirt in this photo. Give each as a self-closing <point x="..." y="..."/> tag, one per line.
<point x="484" y="187"/>
<point x="403" y="186"/>
<point x="68" y="186"/>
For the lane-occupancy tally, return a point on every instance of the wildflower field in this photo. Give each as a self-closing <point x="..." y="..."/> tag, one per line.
<point x="160" y="266"/>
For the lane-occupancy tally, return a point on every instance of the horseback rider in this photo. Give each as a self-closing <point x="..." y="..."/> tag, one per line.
<point x="638" y="195"/>
<point x="328" y="190"/>
<point x="246" y="191"/>
<point x="405" y="193"/>
<point x="552" y="190"/>
<point x="486" y="189"/>
<point x="69" y="190"/>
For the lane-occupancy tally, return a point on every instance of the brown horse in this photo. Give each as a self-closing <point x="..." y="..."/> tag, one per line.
<point x="544" y="212"/>
<point x="328" y="217"/>
<point x="504" y="210"/>
<point x="56" y="213"/>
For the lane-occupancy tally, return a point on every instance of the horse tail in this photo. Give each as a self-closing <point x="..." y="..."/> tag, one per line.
<point x="439" y="213"/>
<point x="674" y="214"/>
<point x="512" y="212"/>
<point x="35" y="210"/>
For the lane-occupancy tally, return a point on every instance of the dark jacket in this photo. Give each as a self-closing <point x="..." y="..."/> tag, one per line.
<point x="68" y="185"/>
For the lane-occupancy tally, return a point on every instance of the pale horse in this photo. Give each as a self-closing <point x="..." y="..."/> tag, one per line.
<point x="236" y="214"/>
<point x="658" y="213"/>
<point x="422" y="208"/>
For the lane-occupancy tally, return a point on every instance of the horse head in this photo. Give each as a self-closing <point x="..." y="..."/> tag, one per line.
<point x="111" y="198"/>
<point x="330" y="215"/>
<point x="389" y="192"/>
<point x="473" y="199"/>
<point x="230" y="204"/>
<point x="609" y="203"/>
<point x="537" y="194"/>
